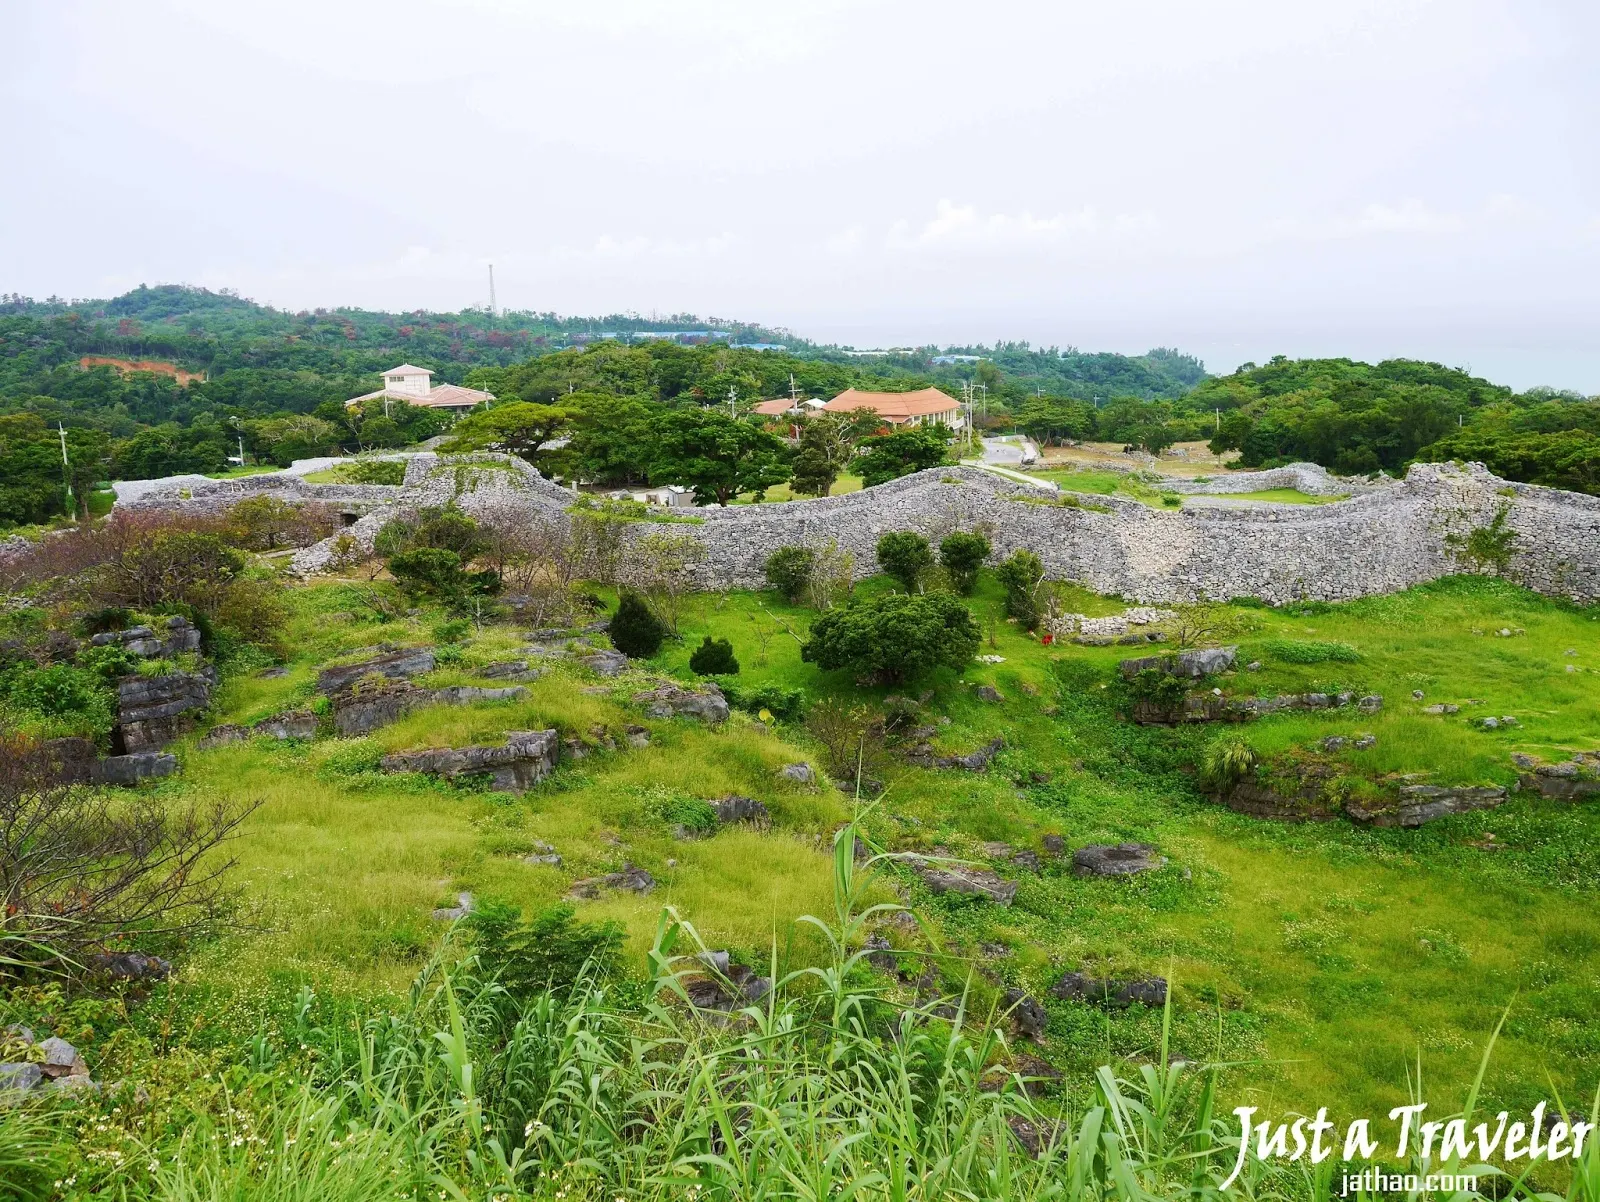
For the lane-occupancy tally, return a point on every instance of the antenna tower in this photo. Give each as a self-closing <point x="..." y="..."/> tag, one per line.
<point x="493" y="312"/>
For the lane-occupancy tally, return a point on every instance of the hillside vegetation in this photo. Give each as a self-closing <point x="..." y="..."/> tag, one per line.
<point x="348" y="1026"/>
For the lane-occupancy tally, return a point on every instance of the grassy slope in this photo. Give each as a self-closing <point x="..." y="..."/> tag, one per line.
<point x="1322" y="956"/>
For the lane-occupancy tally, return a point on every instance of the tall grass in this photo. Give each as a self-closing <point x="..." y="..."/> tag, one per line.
<point x="820" y="1091"/>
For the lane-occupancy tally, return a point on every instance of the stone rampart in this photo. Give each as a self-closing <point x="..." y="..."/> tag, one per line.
<point x="1388" y="539"/>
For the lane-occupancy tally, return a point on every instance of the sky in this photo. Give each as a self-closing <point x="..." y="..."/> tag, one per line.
<point x="1238" y="178"/>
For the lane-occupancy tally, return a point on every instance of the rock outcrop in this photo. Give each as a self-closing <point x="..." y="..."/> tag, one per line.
<point x="365" y="706"/>
<point x="152" y="711"/>
<point x="527" y="757"/>
<point x="400" y="663"/>
<point x="671" y="701"/>
<point x="178" y="636"/>
<point x="963" y="879"/>
<point x="1116" y="859"/>
<point x="1118" y="995"/>
<point x="1417" y="804"/>
<point x="629" y="880"/>
<point x="1192" y="665"/>
<point x="1567" y="780"/>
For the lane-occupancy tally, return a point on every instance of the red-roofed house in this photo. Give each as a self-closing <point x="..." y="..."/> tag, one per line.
<point x="414" y="385"/>
<point x="902" y="409"/>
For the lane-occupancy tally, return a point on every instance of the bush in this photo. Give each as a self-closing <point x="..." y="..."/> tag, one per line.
<point x="789" y="571"/>
<point x="72" y="698"/>
<point x="1309" y="651"/>
<point x="962" y="554"/>
<point x="429" y="571"/>
<point x="1159" y="688"/>
<point x="634" y="628"/>
<point x="906" y="556"/>
<point x="714" y="658"/>
<point x="782" y="703"/>
<point x="894" y="636"/>
<point x="372" y="471"/>
<point x="1227" y="762"/>
<point x="267" y="523"/>
<point x="551" y="951"/>
<point x="1022" y="574"/>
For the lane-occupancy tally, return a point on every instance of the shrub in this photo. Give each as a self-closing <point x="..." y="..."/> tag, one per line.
<point x="894" y="636"/>
<point x="266" y="523"/>
<point x="780" y="702"/>
<point x="75" y="698"/>
<point x="1226" y="762"/>
<point x="962" y="554"/>
<point x="634" y="628"/>
<point x="451" y="632"/>
<point x="1159" y="688"/>
<point x="789" y="571"/>
<point x="372" y="471"/>
<point x="84" y="871"/>
<point x="429" y="571"/>
<point x="1022" y="575"/>
<point x="906" y="556"/>
<point x="550" y="951"/>
<point x="714" y="658"/>
<point x="185" y="566"/>
<point x="1308" y="651"/>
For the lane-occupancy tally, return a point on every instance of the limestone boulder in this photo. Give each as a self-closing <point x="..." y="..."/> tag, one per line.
<point x="964" y="880"/>
<point x="152" y="711"/>
<point x="399" y="664"/>
<point x="629" y="880"/>
<point x="671" y="701"/>
<point x="527" y="757"/>
<point x="1116" y="859"/>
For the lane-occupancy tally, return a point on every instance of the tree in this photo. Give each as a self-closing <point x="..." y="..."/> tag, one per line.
<point x="899" y="454"/>
<point x="429" y="572"/>
<point x="893" y="636"/>
<point x="789" y="571"/>
<point x="518" y="428"/>
<point x="962" y="554"/>
<point x="298" y="436"/>
<point x="718" y="456"/>
<point x="714" y="658"/>
<point x="660" y="565"/>
<point x="264" y="523"/>
<point x="827" y="445"/>
<point x="612" y="439"/>
<point x="1022" y="575"/>
<point x="905" y="555"/>
<point x="634" y="628"/>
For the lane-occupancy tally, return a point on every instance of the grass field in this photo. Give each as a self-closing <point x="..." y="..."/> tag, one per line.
<point x="1279" y="496"/>
<point x="782" y="492"/>
<point x="1319" y="959"/>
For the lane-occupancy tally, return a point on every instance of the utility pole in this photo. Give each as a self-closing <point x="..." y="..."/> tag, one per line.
<point x="1218" y="412"/>
<point x="66" y="469"/>
<point x="492" y="311"/>
<point x="794" y="395"/>
<point x="733" y="401"/>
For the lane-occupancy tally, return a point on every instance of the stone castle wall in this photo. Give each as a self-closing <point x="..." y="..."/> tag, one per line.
<point x="1384" y="540"/>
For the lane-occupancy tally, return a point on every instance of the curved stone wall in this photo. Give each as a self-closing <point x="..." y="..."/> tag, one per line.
<point x="1388" y="539"/>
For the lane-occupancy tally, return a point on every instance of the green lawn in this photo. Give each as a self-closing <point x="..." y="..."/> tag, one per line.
<point x="782" y="492"/>
<point x="1282" y="496"/>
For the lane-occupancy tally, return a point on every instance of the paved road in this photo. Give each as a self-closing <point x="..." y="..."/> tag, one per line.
<point x="1009" y="450"/>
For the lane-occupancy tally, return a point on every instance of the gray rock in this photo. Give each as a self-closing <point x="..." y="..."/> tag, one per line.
<point x="61" y="1059"/>
<point x="512" y="669"/>
<point x="742" y="809"/>
<point x="363" y="708"/>
<point x="605" y="663"/>
<point x="1335" y="743"/>
<point x="152" y="711"/>
<point x="669" y="701"/>
<point x="131" y="769"/>
<point x="801" y="774"/>
<point x="20" y="1077"/>
<point x="966" y="880"/>
<point x="1441" y="709"/>
<point x="1489" y="723"/>
<point x="272" y="673"/>
<point x="1418" y="804"/>
<point x="1416" y="694"/>
<point x="1204" y="661"/>
<point x="461" y="909"/>
<point x="1120" y="859"/>
<point x="976" y="761"/>
<point x="549" y="859"/>
<point x="294" y="724"/>
<point x="729" y="987"/>
<point x="880" y="953"/>
<point x="1028" y="1016"/>
<point x="466" y="694"/>
<point x="1054" y="844"/>
<point x="637" y="736"/>
<point x="131" y="966"/>
<point x="629" y="880"/>
<point x="222" y="736"/>
<point x="1119" y="995"/>
<point x="1370" y="704"/>
<point x="987" y="692"/>
<point x="392" y="665"/>
<point x="1253" y="666"/>
<point x="527" y="757"/>
<point x="1365" y="741"/>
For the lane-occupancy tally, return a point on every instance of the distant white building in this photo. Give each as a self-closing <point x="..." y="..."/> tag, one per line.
<point x="414" y="386"/>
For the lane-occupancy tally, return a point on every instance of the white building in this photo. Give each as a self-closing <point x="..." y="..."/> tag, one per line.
<point x="414" y="386"/>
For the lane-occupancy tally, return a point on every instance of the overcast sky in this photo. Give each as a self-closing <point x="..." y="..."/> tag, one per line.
<point x="1236" y="178"/>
